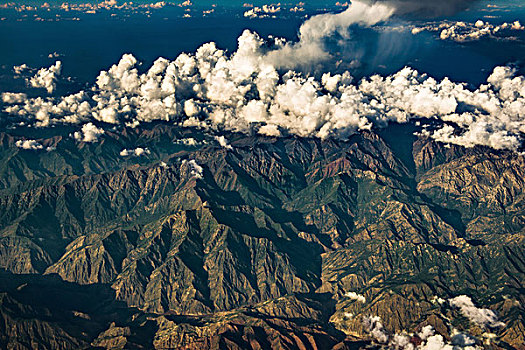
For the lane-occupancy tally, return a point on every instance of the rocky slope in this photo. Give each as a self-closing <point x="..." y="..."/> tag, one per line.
<point x="257" y="245"/>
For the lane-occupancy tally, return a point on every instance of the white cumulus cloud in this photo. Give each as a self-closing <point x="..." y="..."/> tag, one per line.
<point x="426" y="339"/>
<point x="247" y="92"/>
<point x="223" y="142"/>
<point x="137" y="152"/>
<point x="465" y="32"/>
<point x="195" y="169"/>
<point x="13" y="97"/>
<point x="28" y="144"/>
<point x="88" y="133"/>
<point x="374" y="326"/>
<point x="355" y="296"/>
<point x="46" y="77"/>
<point x="482" y="317"/>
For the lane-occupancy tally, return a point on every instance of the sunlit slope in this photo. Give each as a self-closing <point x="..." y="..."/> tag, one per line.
<point x="261" y="240"/>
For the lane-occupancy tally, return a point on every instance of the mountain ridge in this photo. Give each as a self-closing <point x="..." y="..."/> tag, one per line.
<point x="266" y="222"/>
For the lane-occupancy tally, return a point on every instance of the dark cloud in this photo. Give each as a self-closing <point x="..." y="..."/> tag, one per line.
<point x="428" y="8"/>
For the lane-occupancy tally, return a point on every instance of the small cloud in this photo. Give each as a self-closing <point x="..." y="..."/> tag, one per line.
<point x="21" y="68"/>
<point x="137" y="152"/>
<point x="481" y="317"/>
<point x="223" y="142"/>
<point x="12" y="97"/>
<point x="88" y="133"/>
<point x="54" y="55"/>
<point x="29" y="144"/>
<point x="46" y="77"/>
<point x="262" y="12"/>
<point x="195" y="169"/>
<point x="374" y="326"/>
<point x="438" y="300"/>
<point x="355" y="296"/>
<point x="190" y="141"/>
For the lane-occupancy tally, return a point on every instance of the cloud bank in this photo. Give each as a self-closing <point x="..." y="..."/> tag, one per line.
<point x="465" y="32"/>
<point x="247" y="91"/>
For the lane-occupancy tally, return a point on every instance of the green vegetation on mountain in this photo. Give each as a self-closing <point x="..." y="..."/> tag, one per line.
<point x="260" y="249"/>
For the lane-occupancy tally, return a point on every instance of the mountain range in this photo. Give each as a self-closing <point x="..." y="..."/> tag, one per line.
<point x="257" y="242"/>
